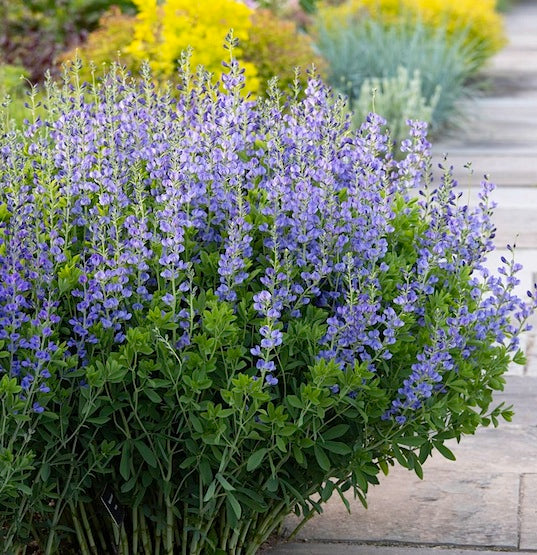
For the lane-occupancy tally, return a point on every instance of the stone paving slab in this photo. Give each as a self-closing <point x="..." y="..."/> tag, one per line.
<point x="505" y="170"/>
<point x="479" y="139"/>
<point x="516" y="227"/>
<point x="457" y="508"/>
<point x="522" y="393"/>
<point x="528" y="512"/>
<point x="531" y="356"/>
<point x="486" y="451"/>
<point x="504" y="107"/>
<point x="485" y="140"/>
<point x="517" y="198"/>
<point x="306" y="548"/>
<point x="516" y="60"/>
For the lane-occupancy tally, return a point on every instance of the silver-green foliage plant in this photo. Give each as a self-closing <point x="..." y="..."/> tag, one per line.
<point x="362" y="49"/>
<point x="397" y="99"/>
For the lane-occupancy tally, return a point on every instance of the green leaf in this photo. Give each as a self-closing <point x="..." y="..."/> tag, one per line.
<point x="520" y="358"/>
<point x="152" y="395"/>
<point x="147" y="454"/>
<point x="99" y="420"/>
<point x="360" y="479"/>
<point x="196" y="423"/>
<point x="23" y="488"/>
<point x="209" y="494"/>
<point x="322" y="460"/>
<point x="399" y="456"/>
<point x="444" y="451"/>
<point x="327" y="491"/>
<point x="337" y="447"/>
<point x="418" y="470"/>
<point x="205" y="471"/>
<point x="425" y="451"/>
<point x="335" y="432"/>
<point x="411" y="441"/>
<point x="224" y="483"/>
<point x="280" y="443"/>
<point x="294" y="401"/>
<point x="297" y="453"/>
<point x="235" y="505"/>
<point x="272" y="484"/>
<point x="124" y="464"/>
<point x="45" y="471"/>
<point x="384" y="466"/>
<point x="255" y="459"/>
<point x="129" y="485"/>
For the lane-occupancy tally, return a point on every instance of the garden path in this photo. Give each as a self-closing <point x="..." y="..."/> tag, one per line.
<point x="486" y="502"/>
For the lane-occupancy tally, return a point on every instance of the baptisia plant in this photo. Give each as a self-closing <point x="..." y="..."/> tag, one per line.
<point x="216" y="311"/>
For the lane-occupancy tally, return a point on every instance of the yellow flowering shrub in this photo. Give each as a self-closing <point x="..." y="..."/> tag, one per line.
<point x="159" y="33"/>
<point x="477" y="20"/>
<point x="163" y="31"/>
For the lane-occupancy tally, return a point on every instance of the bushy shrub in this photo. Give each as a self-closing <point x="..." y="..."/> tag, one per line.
<point x="397" y="99"/>
<point x="475" y="20"/>
<point x="108" y="43"/>
<point x="163" y="31"/>
<point x="35" y="32"/>
<point x="275" y="47"/>
<point x="221" y="310"/>
<point x="361" y="50"/>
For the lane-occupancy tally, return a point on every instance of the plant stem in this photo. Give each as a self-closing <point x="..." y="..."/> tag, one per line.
<point x="184" y="540"/>
<point x="177" y="536"/>
<point x="100" y="535"/>
<point x="87" y="528"/>
<point x="158" y="537"/>
<point x="144" y="532"/>
<point x="225" y="538"/>
<point x="245" y="530"/>
<point x="301" y="524"/>
<point x="232" y="543"/>
<point x="84" y="549"/>
<point x="169" y="527"/>
<point x="270" y="523"/>
<point x="116" y="534"/>
<point x="124" y="540"/>
<point x="135" y="531"/>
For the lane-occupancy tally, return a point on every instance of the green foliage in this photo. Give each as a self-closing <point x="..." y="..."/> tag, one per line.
<point x="276" y="48"/>
<point x="13" y="88"/>
<point x="504" y="5"/>
<point x="278" y="6"/>
<point x="475" y="22"/>
<point x="35" y="32"/>
<point x="201" y="450"/>
<point x="365" y="50"/>
<point x="397" y="99"/>
<point x="105" y="45"/>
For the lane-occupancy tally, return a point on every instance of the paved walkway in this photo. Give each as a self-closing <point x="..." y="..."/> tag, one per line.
<point x="486" y="501"/>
